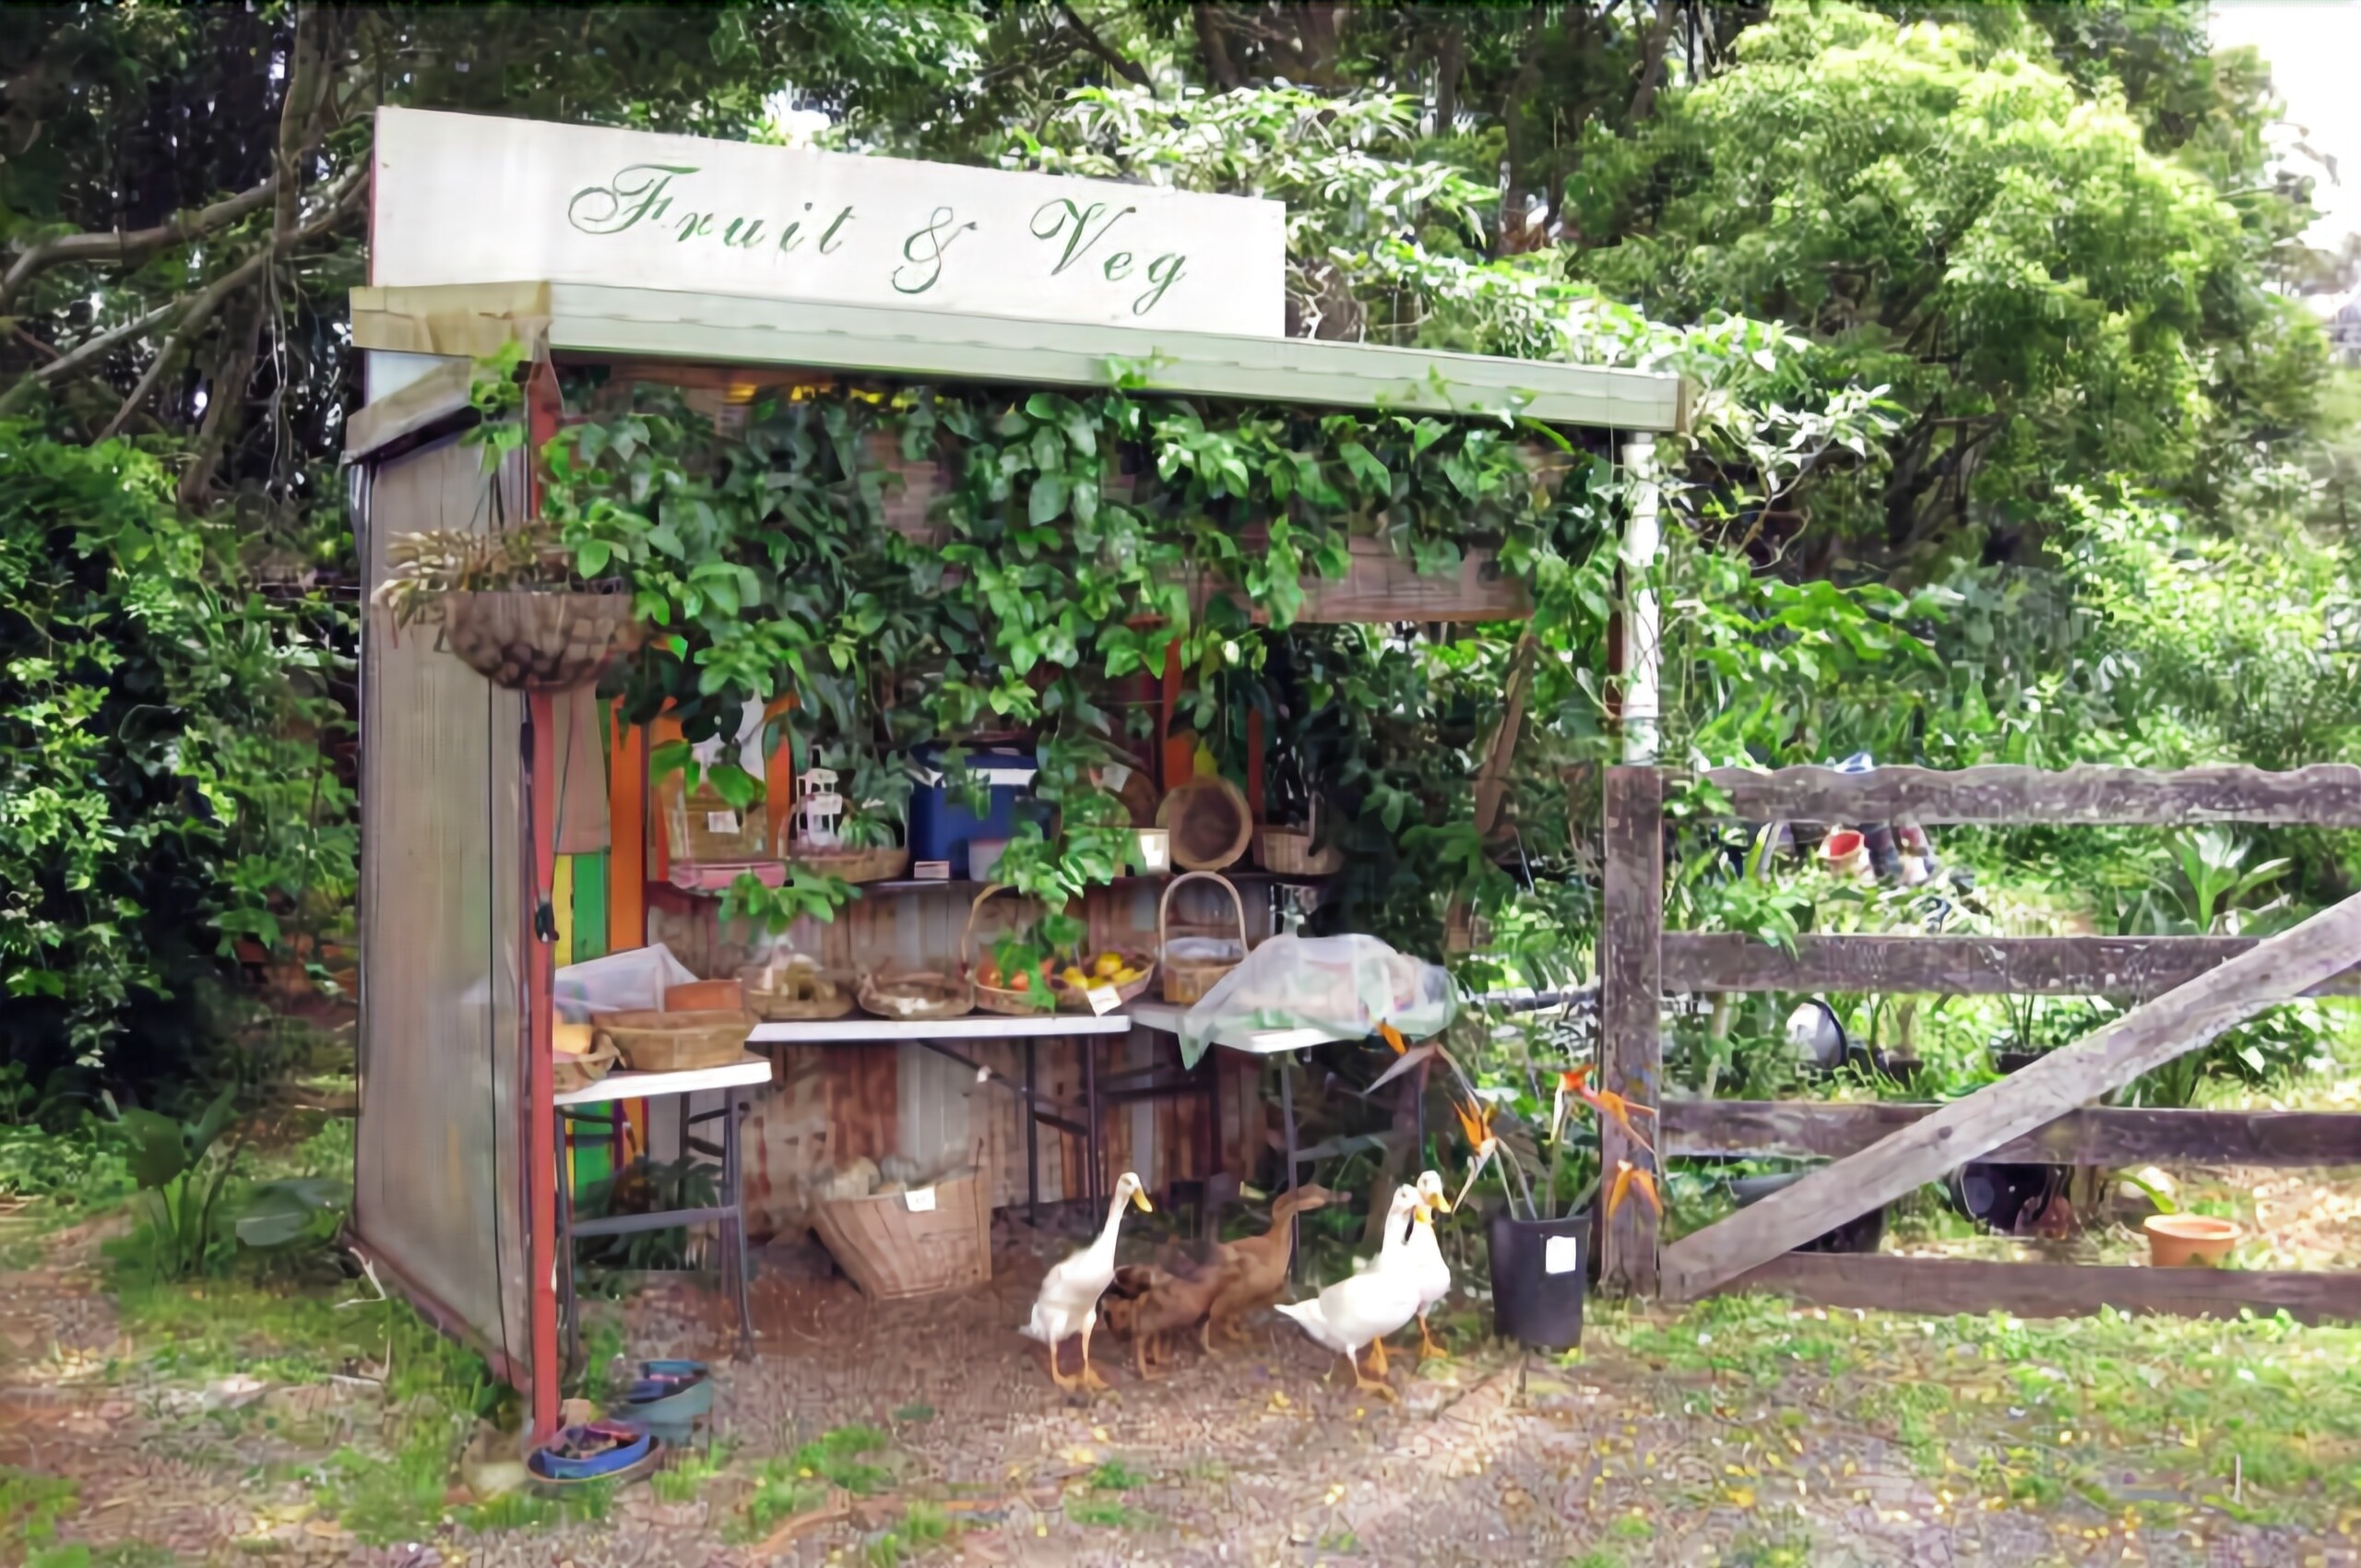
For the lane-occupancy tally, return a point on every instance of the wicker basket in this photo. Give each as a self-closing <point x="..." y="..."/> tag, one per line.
<point x="995" y="998"/>
<point x="1077" y="999"/>
<point x="702" y="829"/>
<point x="676" y="1043"/>
<point x="916" y="994"/>
<point x="572" y="1073"/>
<point x="853" y="865"/>
<point x="1187" y="978"/>
<point x="817" y="993"/>
<point x="539" y="642"/>
<point x="893" y="1252"/>
<point x="1287" y="851"/>
<point x="1210" y="821"/>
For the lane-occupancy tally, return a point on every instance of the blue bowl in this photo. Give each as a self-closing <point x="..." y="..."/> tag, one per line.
<point x="670" y="1395"/>
<point x="548" y="1463"/>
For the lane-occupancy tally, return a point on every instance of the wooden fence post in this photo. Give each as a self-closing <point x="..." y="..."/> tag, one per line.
<point x="1631" y="1006"/>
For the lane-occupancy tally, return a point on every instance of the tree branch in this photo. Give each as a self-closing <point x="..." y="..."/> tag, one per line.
<point x="1216" y="48"/>
<point x="125" y="246"/>
<point x="1122" y="63"/>
<point x="1644" y="98"/>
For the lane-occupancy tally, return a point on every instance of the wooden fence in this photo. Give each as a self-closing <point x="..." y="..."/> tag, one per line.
<point x="2189" y="988"/>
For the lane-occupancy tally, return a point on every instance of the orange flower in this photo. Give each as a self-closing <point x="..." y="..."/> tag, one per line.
<point x="1627" y="1181"/>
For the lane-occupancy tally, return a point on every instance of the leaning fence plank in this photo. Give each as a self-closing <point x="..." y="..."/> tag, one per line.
<point x="2051" y="1289"/>
<point x="1631" y="1007"/>
<point x="2327" y="794"/>
<point x="1955" y="965"/>
<point x="2276" y="969"/>
<point x="2103" y="1135"/>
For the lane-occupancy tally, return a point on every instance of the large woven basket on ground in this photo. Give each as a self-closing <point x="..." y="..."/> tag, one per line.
<point x="539" y="642"/>
<point x="891" y="1251"/>
<point x="676" y="1043"/>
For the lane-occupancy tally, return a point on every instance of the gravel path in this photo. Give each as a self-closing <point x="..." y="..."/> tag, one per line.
<point x="1248" y="1457"/>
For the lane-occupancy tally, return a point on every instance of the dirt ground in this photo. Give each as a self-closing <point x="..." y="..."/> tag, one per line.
<point x="1251" y="1458"/>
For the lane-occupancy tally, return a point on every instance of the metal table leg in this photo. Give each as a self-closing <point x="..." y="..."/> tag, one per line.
<point x="1287" y="1114"/>
<point x="1090" y="1115"/>
<point x="733" y="1222"/>
<point x="567" y="1309"/>
<point x="1032" y="1137"/>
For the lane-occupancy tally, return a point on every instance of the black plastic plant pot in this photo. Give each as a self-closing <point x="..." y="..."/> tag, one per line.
<point x="1538" y="1272"/>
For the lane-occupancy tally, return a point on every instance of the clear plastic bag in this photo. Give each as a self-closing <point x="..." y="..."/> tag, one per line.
<point x="1341" y="986"/>
<point x="632" y="980"/>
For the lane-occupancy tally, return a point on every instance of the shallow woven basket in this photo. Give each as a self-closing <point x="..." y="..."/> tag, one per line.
<point x="539" y="642"/>
<point x="854" y="865"/>
<point x="916" y="994"/>
<point x="1211" y="823"/>
<point x="832" y="996"/>
<point x="891" y="1252"/>
<point x="676" y="1043"/>
<point x="1188" y="979"/>
<point x="572" y="1073"/>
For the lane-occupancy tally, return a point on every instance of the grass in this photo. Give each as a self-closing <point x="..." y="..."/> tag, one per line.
<point x="837" y="1460"/>
<point x="922" y="1525"/>
<point x="2259" y="1418"/>
<point x="31" y="1503"/>
<point x="682" y="1480"/>
<point x="1108" y="1514"/>
<point x="1116" y="1476"/>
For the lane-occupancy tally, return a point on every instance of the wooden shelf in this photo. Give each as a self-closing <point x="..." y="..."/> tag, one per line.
<point x="627" y="1085"/>
<point x="857" y="1030"/>
<point x="908" y="885"/>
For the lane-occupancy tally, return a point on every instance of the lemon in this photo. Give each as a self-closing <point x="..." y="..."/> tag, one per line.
<point x="1108" y="964"/>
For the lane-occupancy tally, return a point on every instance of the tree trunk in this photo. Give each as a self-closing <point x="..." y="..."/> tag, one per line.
<point x="1652" y="48"/>
<point x="1215" y="47"/>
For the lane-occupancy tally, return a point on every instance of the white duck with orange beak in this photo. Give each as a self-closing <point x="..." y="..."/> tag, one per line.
<point x="1369" y="1305"/>
<point x="1067" y="1304"/>
<point x="1424" y="1259"/>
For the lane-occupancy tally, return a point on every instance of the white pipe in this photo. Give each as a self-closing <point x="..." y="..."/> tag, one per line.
<point x="1642" y="543"/>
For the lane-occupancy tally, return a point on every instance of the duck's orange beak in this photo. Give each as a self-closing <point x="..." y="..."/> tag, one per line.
<point x="1139" y="1201"/>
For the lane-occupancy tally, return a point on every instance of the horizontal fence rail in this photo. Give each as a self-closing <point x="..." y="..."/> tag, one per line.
<point x="2106" y="1136"/>
<point x="2325" y="795"/>
<point x="1947" y="1286"/>
<point x="1956" y="966"/>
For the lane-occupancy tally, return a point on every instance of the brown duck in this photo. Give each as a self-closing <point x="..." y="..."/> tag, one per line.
<point x="1256" y="1268"/>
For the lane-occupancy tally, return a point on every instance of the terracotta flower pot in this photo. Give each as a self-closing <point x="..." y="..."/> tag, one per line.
<point x="2188" y="1241"/>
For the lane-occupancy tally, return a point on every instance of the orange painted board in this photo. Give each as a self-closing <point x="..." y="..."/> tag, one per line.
<point x="627" y="813"/>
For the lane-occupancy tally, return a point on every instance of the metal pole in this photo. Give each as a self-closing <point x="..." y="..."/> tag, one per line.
<point x="1287" y="1114"/>
<point x="1643" y="640"/>
<point x="1032" y="1140"/>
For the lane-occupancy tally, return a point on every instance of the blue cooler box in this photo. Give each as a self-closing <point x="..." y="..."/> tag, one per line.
<point x="941" y="824"/>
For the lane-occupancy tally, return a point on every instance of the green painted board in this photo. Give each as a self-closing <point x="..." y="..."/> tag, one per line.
<point x="589" y="906"/>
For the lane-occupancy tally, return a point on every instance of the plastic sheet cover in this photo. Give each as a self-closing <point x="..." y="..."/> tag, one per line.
<point x="438" y="1190"/>
<point x="1343" y="986"/>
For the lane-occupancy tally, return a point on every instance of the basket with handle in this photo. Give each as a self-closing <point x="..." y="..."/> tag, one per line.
<point x="1287" y="851"/>
<point x="895" y="1246"/>
<point x="1032" y="997"/>
<point x="1194" y="958"/>
<point x="573" y="1071"/>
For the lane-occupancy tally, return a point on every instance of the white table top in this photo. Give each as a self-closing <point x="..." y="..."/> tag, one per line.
<point x="1166" y="1016"/>
<point x="857" y="1030"/>
<point x="747" y="1069"/>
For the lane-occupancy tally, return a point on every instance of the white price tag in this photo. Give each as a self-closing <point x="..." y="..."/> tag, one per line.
<point x="919" y="1200"/>
<point x="721" y="822"/>
<point x="1104" y="999"/>
<point x="1113" y="776"/>
<point x="1562" y="1254"/>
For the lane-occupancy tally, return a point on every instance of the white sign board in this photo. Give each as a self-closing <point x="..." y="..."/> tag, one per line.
<point x="466" y="198"/>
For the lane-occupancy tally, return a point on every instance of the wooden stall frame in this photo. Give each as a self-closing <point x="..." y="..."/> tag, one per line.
<point x="2190" y="987"/>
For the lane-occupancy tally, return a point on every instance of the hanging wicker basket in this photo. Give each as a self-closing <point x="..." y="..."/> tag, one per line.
<point x="539" y="642"/>
<point x="895" y="1245"/>
<point x="1194" y="958"/>
<point x="676" y="1043"/>
<point x="1210" y="821"/>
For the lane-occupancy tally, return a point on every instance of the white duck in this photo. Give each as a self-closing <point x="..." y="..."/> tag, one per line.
<point x="1423" y="1259"/>
<point x="1371" y="1304"/>
<point x="1068" y="1302"/>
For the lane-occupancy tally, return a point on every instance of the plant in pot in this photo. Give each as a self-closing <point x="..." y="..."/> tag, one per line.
<point x="1538" y="1253"/>
<point x="866" y="839"/>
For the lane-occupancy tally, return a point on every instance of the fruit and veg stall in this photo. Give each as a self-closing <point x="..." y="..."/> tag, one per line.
<point x="790" y="692"/>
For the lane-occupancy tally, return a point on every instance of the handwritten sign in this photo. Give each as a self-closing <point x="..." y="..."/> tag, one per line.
<point x="466" y="198"/>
